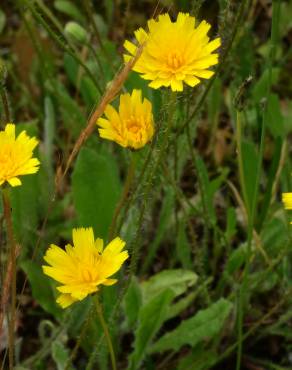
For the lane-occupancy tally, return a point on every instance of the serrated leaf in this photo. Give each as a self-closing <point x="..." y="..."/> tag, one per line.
<point x="178" y="280"/>
<point x="132" y="302"/>
<point x="204" y="325"/>
<point x="60" y="355"/>
<point x="96" y="189"/>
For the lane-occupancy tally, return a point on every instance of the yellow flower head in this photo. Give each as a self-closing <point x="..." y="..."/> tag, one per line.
<point x="174" y="52"/>
<point x="287" y="200"/>
<point x="16" y="155"/>
<point x="132" y="126"/>
<point x="81" y="268"/>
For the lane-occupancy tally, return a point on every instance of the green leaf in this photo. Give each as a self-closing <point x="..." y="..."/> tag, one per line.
<point x="25" y="199"/>
<point x="60" y="354"/>
<point x="164" y="220"/>
<point x="24" y="202"/>
<point x="2" y="20"/>
<point x="236" y="259"/>
<point x="68" y="8"/>
<point x="178" y="280"/>
<point x="150" y="319"/>
<point x="42" y="290"/>
<point x="72" y="116"/>
<point x="249" y="159"/>
<point x="87" y="87"/>
<point x="260" y="88"/>
<point x="274" y="236"/>
<point x="96" y="188"/>
<point x="206" y="324"/>
<point x="76" y="32"/>
<point x="132" y="302"/>
<point x="275" y="120"/>
<point x="176" y="308"/>
<point x="198" y="359"/>
<point x="183" y="248"/>
<point x="231" y="223"/>
<point x="271" y="180"/>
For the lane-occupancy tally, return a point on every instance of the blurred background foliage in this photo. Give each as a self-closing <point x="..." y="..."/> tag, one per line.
<point x="177" y="309"/>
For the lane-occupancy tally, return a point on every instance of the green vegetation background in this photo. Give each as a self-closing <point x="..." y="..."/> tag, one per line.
<point x="188" y="303"/>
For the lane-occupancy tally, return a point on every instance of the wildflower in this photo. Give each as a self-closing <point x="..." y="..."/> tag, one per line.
<point x="16" y="155"/>
<point x="81" y="268"/>
<point x="174" y="52"/>
<point x="132" y="126"/>
<point x="287" y="200"/>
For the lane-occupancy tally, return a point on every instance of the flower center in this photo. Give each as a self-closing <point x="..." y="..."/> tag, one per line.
<point x="133" y="124"/>
<point x="174" y="60"/>
<point x="86" y="275"/>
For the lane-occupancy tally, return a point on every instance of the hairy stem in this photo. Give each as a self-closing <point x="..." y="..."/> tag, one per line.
<point x="12" y="273"/>
<point x="106" y="332"/>
<point x="124" y="196"/>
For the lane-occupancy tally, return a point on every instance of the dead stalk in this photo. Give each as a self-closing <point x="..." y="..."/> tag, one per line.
<point x="109" y="95"/>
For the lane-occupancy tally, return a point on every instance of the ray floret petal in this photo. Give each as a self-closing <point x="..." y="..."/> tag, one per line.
<point x="84" y="266"/>
<point x="174" y="53"/>
<point x="132" y="126"/>
<point x="16" y="155"/>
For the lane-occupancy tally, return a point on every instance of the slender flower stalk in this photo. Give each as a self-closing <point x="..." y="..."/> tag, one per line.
<point x="240" y="159"/>
<point x="11" y="272"/>
<point x="147" y="181"/>
<point x="106" y="332"/>
<point x="124" y="196"/>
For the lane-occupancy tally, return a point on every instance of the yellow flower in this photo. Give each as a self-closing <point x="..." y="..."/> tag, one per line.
<point x="81" y="268"/>
<point x="174" y="52"/>
<point x="287" y="200"/>
<point x="132" y="126"/>
<point x="16" y="155"/>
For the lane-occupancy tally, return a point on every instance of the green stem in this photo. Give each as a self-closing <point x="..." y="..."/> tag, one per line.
<point x="124" y="196"/>
<point x="237" y="22"/>
<point x="251" y="217"/>
<point x="240" y="160"/>
<point x="149" y="185"/>
<point x="106" y="332"/>
<point x="12" y="262"/>
<point x="68" y="48"/>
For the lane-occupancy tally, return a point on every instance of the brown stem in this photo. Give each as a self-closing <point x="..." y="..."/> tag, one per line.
<point x="109" y="95"/>
<point x="5" y="103"/>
